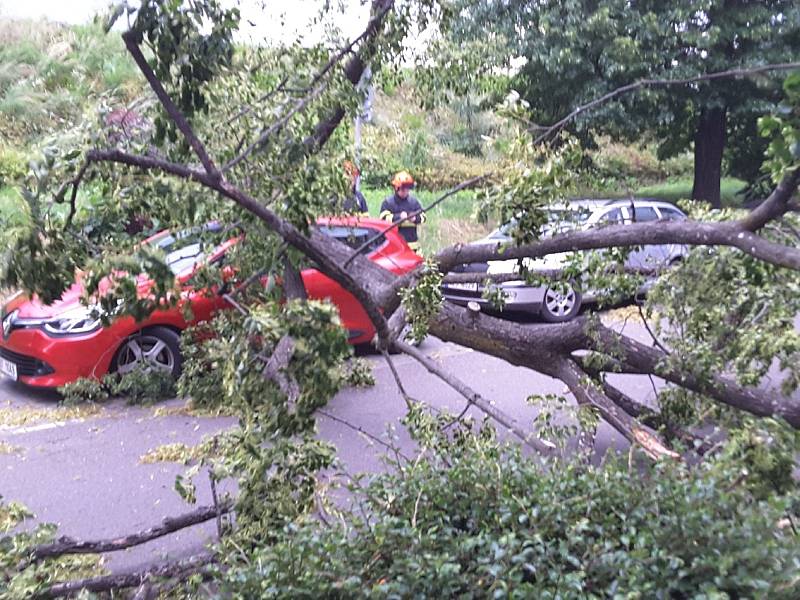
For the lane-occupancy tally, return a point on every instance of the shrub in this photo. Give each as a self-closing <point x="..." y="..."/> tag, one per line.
<point x="613" y="164"/>
<point x="473" y="518"/>
<point x="85" y="390"/>
<point x="138" y="386"/>
<point x="141" y="387"/>
<point x="13" y="165"/>
<point x="440" y="149"/>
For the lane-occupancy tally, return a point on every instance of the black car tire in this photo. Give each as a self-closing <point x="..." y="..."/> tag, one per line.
<point x="555" y="311"/>
<point x="164" y="345"/>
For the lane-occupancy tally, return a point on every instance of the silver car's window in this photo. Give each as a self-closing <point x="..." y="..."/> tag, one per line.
<point x="642" y="213"/>
<point x="671" y="214"/>
<point x="557" y="220"/>
<point x="612" y="217"/>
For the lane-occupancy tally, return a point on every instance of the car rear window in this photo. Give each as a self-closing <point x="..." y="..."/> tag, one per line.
<point x="355" y="237"/>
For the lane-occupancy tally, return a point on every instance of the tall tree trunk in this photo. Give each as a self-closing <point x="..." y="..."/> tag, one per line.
<point x="709" y="141"/>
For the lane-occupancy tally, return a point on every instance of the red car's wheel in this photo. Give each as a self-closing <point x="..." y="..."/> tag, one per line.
<point x="155" y="348"/>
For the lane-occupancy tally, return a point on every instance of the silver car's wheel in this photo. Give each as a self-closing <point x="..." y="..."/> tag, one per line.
<point x="154" y="349"/>
<point x="560" y="304"/>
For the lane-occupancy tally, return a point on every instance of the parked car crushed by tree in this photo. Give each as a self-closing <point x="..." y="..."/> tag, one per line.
<point x="51" y="345"/>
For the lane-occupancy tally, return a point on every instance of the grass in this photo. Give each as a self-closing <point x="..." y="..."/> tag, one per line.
<point x="682" y="188"/>
<point x="50" y="75"/>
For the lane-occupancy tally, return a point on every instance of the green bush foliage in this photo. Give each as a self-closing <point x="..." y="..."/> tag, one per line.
<point x="357" y="372"/>
<point x="20" y="579"/>
<point x="13" y="165"/>
<point x="85" y="390"/>
<point x="139" y="386"/>
<point x="440" y="148"/>
<point x="475" y="518"/>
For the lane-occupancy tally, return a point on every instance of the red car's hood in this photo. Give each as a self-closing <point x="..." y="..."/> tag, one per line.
<point x="71" y="299"/>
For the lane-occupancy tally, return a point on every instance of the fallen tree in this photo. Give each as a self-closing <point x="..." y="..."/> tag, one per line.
<point x="280" y="154"/>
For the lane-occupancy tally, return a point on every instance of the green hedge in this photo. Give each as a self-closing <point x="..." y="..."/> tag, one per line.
<point x="470" y="519"/>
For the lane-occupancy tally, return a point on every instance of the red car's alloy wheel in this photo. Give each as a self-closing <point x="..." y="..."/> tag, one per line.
<point x="154" y="349"/>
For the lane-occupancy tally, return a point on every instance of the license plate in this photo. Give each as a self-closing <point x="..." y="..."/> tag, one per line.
<point x="468" y="287"/>
<point x="8" y="369"/>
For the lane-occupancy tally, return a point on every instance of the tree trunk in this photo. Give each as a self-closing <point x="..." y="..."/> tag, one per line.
<point x="709" y="141"/>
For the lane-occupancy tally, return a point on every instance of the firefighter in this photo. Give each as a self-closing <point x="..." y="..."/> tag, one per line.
<point x="355" y="203"/>
<point x="400" y="206"/>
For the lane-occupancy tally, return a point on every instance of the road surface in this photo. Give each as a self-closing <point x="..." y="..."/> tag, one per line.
<point x="84" y="471"/>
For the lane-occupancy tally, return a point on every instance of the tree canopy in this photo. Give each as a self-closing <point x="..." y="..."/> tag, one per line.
<point x="576" y="51"/>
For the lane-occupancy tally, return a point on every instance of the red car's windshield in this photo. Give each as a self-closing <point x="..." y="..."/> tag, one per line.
<point x="186" y="248"/>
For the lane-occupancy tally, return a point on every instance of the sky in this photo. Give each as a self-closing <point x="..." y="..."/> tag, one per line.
<point x="273" y="19"/>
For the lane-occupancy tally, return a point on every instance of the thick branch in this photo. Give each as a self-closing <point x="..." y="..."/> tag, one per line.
<point x="172" y="570"/>
<point x="132" y="39"/>
<point x="276" y="364"/>
<point x="353" y="70"/>
<point x="653" y="419"/>
<point x="66" y="545"/>
<point x="775" y="205"/>
<point x="588" y="394"/>
<point x="690" y="233"/>
<point x="325" y="251"/>
<point x="293" y="286"/>
<point x="149" y="163"/>
<point x="645" y="359"/>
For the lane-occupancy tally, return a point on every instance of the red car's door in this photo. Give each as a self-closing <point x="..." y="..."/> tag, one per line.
<point x="389" y="251"/>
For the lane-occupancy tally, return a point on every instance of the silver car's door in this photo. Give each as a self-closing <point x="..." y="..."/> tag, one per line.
<point x="648" y="256"/>
<point x="673" y="251"/>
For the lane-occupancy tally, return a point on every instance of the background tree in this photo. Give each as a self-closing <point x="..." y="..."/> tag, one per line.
<point x="578" y="50"/>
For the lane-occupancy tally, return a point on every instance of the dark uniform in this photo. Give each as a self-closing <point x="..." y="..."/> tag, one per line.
<point x="391" y="209"/>
<point x="356" y="203"/>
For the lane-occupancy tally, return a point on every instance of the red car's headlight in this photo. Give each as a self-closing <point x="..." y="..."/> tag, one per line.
<point x="74" y="322"/>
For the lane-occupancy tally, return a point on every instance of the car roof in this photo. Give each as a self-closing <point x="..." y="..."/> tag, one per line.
<point x="596" y="203"/>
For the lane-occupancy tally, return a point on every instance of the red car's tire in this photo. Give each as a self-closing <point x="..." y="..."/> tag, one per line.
<point x="154" y="347"/>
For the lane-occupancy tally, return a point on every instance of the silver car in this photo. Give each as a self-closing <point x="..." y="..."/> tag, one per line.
<point x="561" y="302"/>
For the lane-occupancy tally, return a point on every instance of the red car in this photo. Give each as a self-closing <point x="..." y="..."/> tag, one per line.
<point x="49" y="346"/>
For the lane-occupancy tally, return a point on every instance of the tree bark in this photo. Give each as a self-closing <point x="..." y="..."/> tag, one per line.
<point x="67" y="545"/>
<point x="709" y="142"/>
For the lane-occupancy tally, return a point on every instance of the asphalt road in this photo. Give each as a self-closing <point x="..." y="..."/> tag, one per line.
<point x="84" y="472"/>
